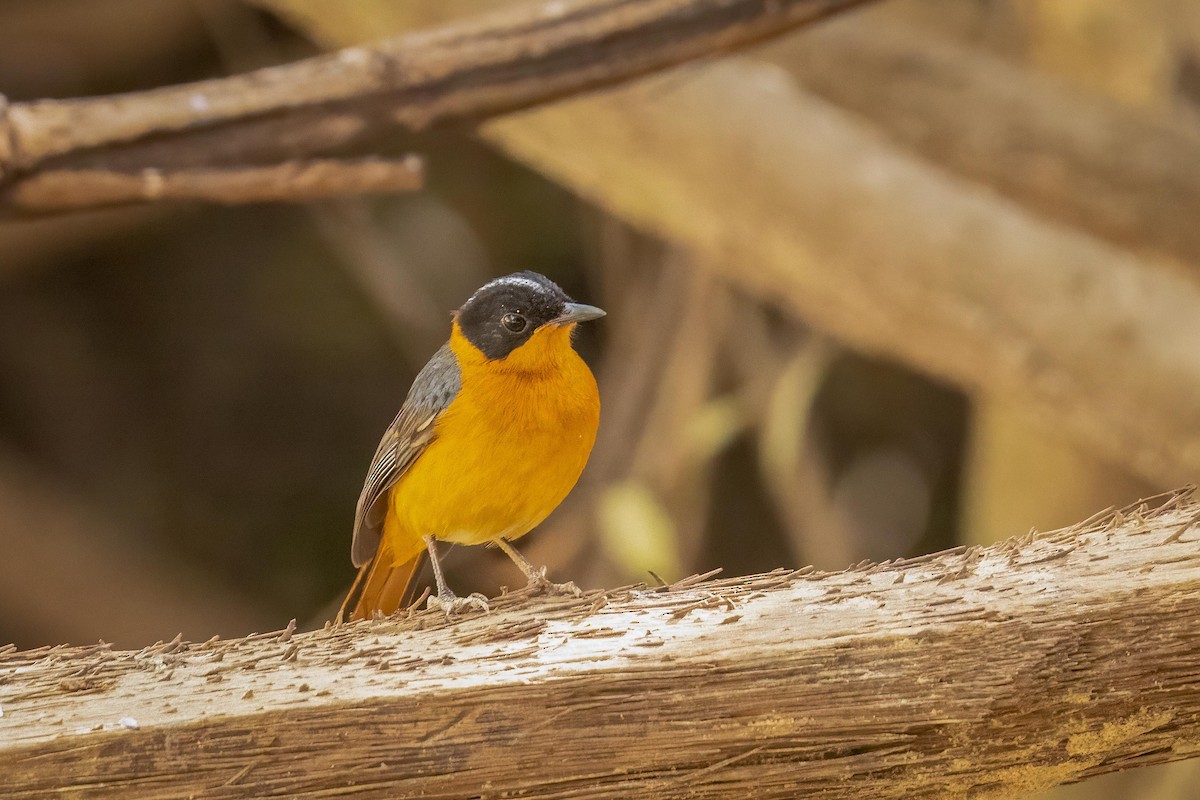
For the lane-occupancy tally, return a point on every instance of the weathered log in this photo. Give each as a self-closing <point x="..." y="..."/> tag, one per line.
<point x="974" y="672"/>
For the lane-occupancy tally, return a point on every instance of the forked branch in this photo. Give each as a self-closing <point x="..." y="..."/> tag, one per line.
<point x="360" y="95"/>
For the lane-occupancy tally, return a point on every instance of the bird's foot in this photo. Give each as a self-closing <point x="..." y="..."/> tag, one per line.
<point x="450" y="603"/>
<point x="539" y="583"/>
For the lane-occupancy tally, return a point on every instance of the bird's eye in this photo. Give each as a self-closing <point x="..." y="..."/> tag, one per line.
<point x="514" y="322"/>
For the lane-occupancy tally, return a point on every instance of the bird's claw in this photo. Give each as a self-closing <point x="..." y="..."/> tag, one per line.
<point x="540" y="583"/>
<point x="451" y="603"/>
<point x="564" y="589"/>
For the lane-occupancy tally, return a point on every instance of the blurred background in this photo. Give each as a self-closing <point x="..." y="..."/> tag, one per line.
<point x="190" y="396"/>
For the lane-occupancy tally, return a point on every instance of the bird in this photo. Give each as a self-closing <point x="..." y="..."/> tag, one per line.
<point x="494" y="433"/>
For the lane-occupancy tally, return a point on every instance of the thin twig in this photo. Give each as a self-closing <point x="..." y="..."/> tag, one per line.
<point x="292" y="181"/>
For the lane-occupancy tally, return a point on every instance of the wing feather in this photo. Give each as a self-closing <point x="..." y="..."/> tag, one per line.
<point x="434" y="388"/>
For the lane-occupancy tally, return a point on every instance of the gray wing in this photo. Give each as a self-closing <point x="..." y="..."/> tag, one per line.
<point x="436" y="385"/>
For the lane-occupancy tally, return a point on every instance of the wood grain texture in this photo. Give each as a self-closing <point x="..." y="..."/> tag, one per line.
<point x="970" y="673"/>
<point x="500" y="62"/>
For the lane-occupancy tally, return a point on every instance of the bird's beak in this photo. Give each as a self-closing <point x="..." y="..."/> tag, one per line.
<point x="577" y="312"/>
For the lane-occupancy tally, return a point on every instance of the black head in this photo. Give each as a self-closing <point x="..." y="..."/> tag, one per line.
<point x="502" y="315"/>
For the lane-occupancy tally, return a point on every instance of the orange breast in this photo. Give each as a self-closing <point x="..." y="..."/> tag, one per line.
<point x="507" y="450"/>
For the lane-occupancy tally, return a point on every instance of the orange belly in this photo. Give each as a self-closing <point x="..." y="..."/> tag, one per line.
<point x="507" y="451"/>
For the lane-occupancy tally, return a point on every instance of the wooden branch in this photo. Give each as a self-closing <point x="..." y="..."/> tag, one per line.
<point x="509" y="60"/>
<point x="974" y="672"/>
<point x="56" y="190"/>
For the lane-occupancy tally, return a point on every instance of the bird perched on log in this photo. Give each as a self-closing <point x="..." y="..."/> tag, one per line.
<point x="495" y="432"/>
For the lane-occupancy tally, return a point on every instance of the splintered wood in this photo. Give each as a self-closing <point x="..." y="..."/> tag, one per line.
<point x="971" y="673"/>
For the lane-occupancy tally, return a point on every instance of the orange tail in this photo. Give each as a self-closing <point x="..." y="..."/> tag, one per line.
<point x="381" y="586"/>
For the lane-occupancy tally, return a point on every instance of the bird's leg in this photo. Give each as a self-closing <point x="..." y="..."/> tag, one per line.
<point x="537" y="575"/>
<point x="445" y="599"/>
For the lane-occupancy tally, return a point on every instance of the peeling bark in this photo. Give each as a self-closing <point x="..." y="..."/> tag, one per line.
<point x="975" y="672"/>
